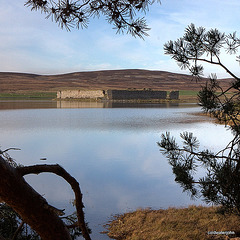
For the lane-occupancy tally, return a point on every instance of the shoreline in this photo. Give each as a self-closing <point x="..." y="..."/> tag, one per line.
<point x="184" y="96"/>
<point x="192" y="222"/>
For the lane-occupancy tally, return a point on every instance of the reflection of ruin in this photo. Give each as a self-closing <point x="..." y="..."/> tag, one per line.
<point x="110" y="104"/>
<point x="117" y="94"/>
<point x="80" y="104"/>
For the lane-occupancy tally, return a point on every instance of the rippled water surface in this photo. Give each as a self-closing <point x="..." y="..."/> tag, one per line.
<point x="109" y="148"/>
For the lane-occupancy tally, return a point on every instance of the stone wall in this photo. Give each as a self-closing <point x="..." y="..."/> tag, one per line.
<point x="81" y="94"/>
<point x="135" y="94"/>
<point x="174" y="95"/>
<point x="117" y="94"/>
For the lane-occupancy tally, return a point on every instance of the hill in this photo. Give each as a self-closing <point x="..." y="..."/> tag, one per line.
<point x="109" y="79"/>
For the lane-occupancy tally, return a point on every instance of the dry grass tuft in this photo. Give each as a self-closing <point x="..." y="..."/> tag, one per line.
<point x="193" y="222"/>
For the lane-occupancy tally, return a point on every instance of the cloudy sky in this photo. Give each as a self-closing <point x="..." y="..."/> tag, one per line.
<point x="32" y="44"/>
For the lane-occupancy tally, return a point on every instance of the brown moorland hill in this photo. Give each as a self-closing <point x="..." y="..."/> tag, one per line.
<point x="108" y="79"/>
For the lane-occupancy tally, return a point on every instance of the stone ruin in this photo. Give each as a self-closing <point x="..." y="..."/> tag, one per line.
<point x="117" y="94"/>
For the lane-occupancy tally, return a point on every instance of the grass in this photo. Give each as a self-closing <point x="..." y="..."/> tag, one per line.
<point x="195" y="93"/>
<point x="28" y="95"/>
<point x="188" y="96"/>
<point x="192" y="96"/>
<point x="194" y="222"/>
<point x="188" y="93"/>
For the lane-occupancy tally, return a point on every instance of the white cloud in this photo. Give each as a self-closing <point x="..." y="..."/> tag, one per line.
<point x="30" y="43"/>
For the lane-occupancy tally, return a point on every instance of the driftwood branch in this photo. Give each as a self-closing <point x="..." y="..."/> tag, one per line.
<point x="29" y="204"/>
<point x="6" y="150"/>
<point x="60" y="171"/>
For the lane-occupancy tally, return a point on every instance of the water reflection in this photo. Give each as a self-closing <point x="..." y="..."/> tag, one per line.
<point x="40" y="104"/>
<point x="105" y="119"/>
<point x="26" y="104"/>
<point x="111" y="151"/>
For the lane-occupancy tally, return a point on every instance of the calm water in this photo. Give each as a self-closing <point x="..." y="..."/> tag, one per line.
<point x="109" y="148"/>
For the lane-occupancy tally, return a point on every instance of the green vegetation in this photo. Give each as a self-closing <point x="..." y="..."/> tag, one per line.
<point x="174" y="223"/>
<point x="188" y="93"/>
<point x="195" y="93"/>
<point x="188" y="96"/>
<point x="191" y="93"/>
<point x="28" y="95"/>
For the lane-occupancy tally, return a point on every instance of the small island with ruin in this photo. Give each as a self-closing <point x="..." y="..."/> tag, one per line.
<point x="119" y="95"/>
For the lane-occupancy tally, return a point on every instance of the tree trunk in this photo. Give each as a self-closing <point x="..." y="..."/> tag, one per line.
<point x="30" y="205"/>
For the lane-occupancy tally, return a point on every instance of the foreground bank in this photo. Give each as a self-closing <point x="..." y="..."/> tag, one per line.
<point x="175" y="223"/>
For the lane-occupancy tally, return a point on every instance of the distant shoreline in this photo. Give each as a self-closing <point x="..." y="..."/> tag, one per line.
<point x="184" y="96"/>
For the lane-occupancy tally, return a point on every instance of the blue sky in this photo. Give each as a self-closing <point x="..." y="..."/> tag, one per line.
<point x="32" y="44"/>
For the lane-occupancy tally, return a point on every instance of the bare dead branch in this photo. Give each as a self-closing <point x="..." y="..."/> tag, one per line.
<point x="6" y="150"/>
<point x="60" y="171"/>
<point x="29" y="204"/>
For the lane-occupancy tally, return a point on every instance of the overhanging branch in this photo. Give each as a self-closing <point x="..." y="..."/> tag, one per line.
<point x="58" y="170"/>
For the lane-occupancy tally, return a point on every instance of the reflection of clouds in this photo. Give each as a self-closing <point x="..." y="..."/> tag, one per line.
<point x="52" y="187"/>
<point x="155" y="165"/>
<point x="209" y="134"/>
<point x="111" y="152"/>
<point x="120" y="119"/>
<point x="122" y="197"/>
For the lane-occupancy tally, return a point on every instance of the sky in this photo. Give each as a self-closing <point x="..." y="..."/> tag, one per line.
<point x="30" y="43"/>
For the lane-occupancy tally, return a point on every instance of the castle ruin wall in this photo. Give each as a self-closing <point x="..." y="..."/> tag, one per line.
<point x="117" y="94"/>
<point x="174" y="95"/>
<point x="80" y="94"/>
<point x="135" y="94"/>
